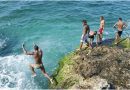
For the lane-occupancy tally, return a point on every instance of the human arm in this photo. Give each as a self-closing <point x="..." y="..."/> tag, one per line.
<point x="103" y="24"/>
<point x="115" y="25"/>
<point x="25" y="51"/>
<point x="85" y="30"/>
<point x="124" y="25"/>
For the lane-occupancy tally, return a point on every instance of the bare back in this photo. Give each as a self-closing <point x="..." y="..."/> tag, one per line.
<point x="86" y="29"/>
<point x="120" y="25"/>
<point x="38" y="57"/>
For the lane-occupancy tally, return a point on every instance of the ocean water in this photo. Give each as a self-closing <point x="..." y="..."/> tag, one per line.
<point x="56" y="27"/>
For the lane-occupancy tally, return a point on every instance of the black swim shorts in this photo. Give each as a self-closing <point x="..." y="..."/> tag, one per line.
<point x="91" y="36"/>
<point x="119" y="33"/>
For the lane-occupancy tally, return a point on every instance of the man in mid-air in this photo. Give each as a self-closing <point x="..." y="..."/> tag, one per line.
<point x="120" y="25"/>
<point x="37" y="54"/>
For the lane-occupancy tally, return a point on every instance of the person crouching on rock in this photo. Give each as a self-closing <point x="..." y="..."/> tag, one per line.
<point x="85" y="33"/>
<point x="91" y="37"/>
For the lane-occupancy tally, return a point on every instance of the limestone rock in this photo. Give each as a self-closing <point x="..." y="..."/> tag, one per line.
<point x="102" y="67"/>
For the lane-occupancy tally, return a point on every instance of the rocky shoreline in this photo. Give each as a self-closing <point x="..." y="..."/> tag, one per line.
<point x="103" y="67"/>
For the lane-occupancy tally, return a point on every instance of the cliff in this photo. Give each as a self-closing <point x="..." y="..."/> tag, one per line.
<point x="103" y="67"/>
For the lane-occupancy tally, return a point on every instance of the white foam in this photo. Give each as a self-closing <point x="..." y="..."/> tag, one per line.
<point x="14" y="72"/>
<point x="3" y="41"/>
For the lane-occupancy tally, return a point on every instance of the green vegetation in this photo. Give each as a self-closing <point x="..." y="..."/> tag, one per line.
<point x="125" y="42"/>
<point x="77" y="67"/>
<point x="62" y="73"/>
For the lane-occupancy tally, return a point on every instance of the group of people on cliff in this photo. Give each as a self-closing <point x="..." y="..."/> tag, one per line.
<point x="87" y="33"/>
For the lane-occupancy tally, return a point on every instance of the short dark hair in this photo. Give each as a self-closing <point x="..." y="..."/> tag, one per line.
<point x="84" y="21"/>
<point x="102" y="17"/>
<point x="120" y="19"/>
<point x="36" y="47"/>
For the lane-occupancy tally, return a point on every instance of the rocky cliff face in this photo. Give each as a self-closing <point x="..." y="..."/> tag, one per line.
<point x="102" y="67"/>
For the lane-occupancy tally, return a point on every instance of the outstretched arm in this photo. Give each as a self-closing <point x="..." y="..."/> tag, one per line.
<point x="125" y="25"/>
<point x="26" y="52"/>
<point x="115" y="25"/>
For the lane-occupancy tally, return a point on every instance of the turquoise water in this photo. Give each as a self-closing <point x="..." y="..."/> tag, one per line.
<point x="55" y="26"/>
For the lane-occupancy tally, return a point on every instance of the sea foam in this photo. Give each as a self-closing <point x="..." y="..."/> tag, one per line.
<point x="14" y="72"/>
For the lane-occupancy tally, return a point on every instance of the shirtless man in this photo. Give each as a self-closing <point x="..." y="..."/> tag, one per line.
<point x="119" y="25"/>
<point x="37" y="54"/>
<point x="101" y="30"/>
<point x="84" y="34"/>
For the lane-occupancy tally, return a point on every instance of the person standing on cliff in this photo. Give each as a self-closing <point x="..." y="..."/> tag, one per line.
<point x="101" y="30"/>
<point x="85" y="33"/>
<point x="120" y="25"/>
<point x="37" y="54"/>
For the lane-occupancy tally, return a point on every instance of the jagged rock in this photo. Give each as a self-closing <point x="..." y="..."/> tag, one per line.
<point x="102" y="67"/>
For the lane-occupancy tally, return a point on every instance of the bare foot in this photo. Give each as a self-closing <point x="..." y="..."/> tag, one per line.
<point x="51" y="80"/>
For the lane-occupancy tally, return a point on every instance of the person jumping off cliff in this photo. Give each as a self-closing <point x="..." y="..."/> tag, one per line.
<point x="37" y="54"/>
<point x="120" y="25"/>
<point x="85" y="33"/>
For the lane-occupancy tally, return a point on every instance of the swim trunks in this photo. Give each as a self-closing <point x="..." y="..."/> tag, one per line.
<point x="119" y="33"/>
<point x="91" y="36"/>
<point x="37" y="66"/>
<point x="100" y="30"/>
<point x="84" y="39"/>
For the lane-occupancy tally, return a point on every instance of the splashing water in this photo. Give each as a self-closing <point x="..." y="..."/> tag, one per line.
<point x="55" y="26"/>
<point x="13" y="70"/>
<point x="3" y="41"/>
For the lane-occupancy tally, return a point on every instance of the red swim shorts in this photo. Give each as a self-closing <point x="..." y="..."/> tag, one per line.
<point x="100" y="31"/>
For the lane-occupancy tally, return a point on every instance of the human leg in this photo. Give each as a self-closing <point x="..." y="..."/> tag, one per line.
<point x="45" y="74"/>
<point x="32" y="69"/>
<point x="81" y="44"/>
